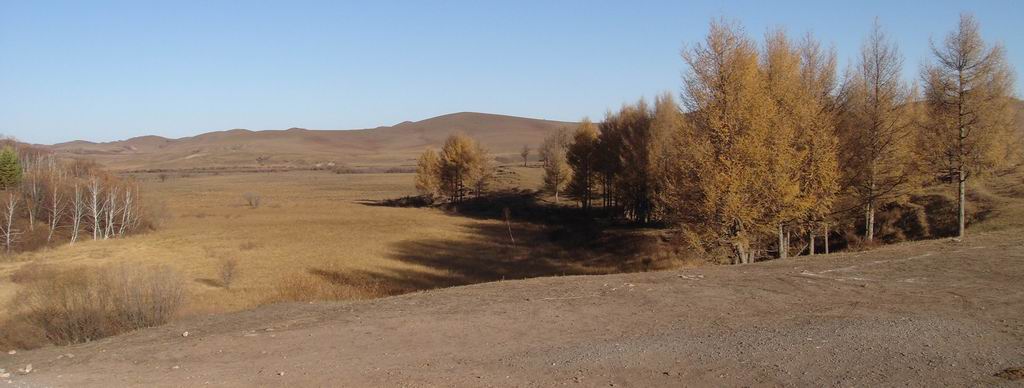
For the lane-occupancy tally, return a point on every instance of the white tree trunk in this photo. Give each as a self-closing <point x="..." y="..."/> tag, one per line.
<point x="783" y="246"/>
<point x="10" y="211"/>
<point x="77" y="214"/>
<point x="95" y="207"/>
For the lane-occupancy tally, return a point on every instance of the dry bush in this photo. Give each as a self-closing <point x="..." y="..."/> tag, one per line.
<point x="142" y="296"/>
<point x="304" y="288"/>
<point x="32" y="240"/>
<point x="84" y="304"/>
<point x="247" y="246"/>
<point x="33" y="272"/>
<point x="19" y="333"/>
<point x="154" y="214"/>
<point x="252" y="200"/>
<point x="321" y="285"/>
<point x="68" y="307"/>
<point x="902" y="222"/>
<point x="228" y="272"/>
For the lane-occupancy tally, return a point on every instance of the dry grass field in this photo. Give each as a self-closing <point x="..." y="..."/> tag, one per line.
<point x="315" y="235"/>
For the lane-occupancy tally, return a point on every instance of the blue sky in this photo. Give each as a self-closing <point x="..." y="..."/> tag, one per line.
<point x="108" y="70"/>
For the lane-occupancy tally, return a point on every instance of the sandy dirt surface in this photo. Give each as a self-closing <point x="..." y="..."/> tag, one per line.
<point x="918" y="314"/>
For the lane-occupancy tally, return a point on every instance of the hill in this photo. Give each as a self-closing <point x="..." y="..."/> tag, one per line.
<point x="920" y="314"/>
<point x="396" y="145"/>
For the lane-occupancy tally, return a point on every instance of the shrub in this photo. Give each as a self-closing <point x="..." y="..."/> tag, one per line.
<point x="142" y="296"/>
<point x="154" y="215"/>
<point x="84" y="304"/>
<point x="228" y="272"/>
<point x="32" y="272"/>
<point x="252" y="200"/>
<point x="324" y="285"/>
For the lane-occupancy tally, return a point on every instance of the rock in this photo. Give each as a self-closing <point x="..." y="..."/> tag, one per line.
<point x="185" y="334"/>
<point x="4" y="375"/>
<point x="280" y="373"/>
<point x="26" y="370"/>
<point x="12" y="352"/>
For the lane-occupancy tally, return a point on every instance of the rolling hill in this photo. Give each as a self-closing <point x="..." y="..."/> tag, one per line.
<point x="396" y="145"/>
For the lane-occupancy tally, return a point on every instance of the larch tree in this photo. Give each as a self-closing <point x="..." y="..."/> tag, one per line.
<point x="727" y="153"/>
<point x="428" y="172"/>
<point x="609" y="161"/>
<point x="635" y="179"/>
<point x="816" y="134"/>
<point x="460" y="161"/>
<point x="582" y="159"/>
<point x="967" y="93"/>
<point x="482" y="173"/>
<point x="876" y="133"/>
<point x="556" y="166"/>
<point x="788" y="113"/>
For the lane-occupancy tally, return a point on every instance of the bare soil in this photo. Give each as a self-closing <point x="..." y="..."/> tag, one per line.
<point x="919" y="314"/>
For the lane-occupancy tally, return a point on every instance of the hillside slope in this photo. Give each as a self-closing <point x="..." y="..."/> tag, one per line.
<point x="296" y="147"/>
<point x="920" y="314"/>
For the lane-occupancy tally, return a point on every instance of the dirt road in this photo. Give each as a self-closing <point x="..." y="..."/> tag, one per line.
<point x="919" y="314"/>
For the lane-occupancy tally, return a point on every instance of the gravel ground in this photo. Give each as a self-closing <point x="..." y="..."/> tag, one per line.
<point x="917" y="314"/>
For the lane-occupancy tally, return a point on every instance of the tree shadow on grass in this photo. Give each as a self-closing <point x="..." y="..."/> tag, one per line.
<point x="488" y="254"/>
<point x="549" y="240"/>
<point x="210" y="282"/>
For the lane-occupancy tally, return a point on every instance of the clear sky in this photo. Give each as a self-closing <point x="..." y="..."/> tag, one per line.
<point x="108" y="70"/>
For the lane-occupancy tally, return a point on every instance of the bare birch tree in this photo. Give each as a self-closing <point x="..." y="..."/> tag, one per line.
<point x="95" y="204"/>
<point x="79" y="207"/>
<point x="56" y="203"/>
<point x="10" y="214"/>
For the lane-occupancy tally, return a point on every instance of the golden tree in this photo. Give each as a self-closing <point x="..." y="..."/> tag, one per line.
<point x="816" y="135"/>
<point x="556" y="166"/>
<point x="428" y="172"/>
<point x="634" y="181"/>
<point x="968" y="90"/>
<point x="582" y="159"/>
<point x="727" y="154"/>
<point x="876" y="129"/>
<point x="462" y="166"/>
<point x="789" y="113"/>
<point x="482" y="173"/>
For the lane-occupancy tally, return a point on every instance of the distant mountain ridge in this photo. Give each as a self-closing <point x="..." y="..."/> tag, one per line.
<point x="397" y="145"/>
<point x="400" y="144"/>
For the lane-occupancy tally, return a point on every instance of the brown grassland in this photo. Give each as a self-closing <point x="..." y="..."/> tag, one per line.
<point x="317" y="235"/>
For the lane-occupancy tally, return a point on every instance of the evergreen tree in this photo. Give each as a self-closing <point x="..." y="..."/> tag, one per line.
<point x="10" y="169"/>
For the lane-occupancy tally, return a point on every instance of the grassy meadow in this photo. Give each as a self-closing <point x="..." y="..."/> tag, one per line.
<point x="315" y="235"/>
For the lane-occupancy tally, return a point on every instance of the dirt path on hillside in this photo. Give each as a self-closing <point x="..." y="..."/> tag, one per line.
<point x="929" y="313"/>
